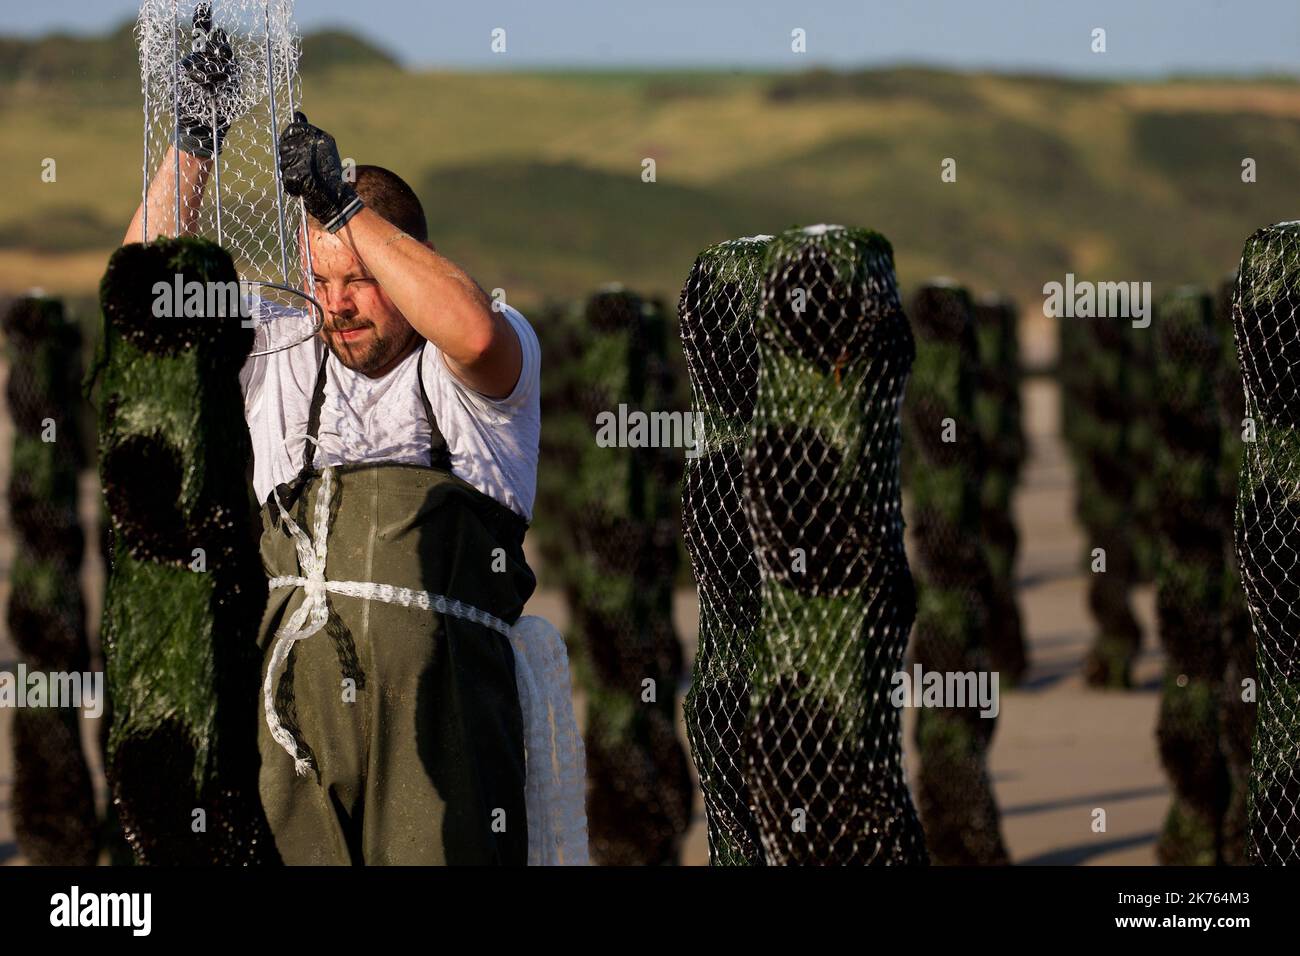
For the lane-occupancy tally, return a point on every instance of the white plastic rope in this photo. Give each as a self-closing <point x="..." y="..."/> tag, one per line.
<point x="555" y="784"/>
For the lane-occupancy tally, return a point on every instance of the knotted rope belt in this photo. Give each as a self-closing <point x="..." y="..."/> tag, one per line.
<point x="555" y="778"/>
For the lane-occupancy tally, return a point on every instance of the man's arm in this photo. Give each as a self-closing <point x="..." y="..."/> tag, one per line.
<point x="209" y="65"/>
<point x="441" y="302"/>
<point x="162" y="198"/>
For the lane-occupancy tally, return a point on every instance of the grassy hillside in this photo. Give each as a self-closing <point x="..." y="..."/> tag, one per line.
<point x="534" y="180"/>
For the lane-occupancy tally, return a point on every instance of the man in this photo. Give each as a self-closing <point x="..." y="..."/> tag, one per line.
<point x="396" y="733"/>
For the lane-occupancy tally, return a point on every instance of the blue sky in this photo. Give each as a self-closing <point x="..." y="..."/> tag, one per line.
<point x="1144" y="37"/>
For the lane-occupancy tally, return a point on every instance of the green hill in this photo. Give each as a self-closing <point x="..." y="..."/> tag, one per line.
<point x="533" y="180"/>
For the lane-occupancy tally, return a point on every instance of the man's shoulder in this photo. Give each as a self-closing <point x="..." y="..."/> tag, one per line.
<point x="526" y="388"/>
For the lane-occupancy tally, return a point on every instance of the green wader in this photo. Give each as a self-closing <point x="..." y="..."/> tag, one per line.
<point x="409" y="719"/>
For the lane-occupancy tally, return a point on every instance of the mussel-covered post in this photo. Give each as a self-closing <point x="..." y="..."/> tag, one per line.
<point x="823" y="503"/>
<point x="186" y="589"/>
<point x="716" y="312"/>
<point x="1266" y="316"/>
<point x="53" y="800"/>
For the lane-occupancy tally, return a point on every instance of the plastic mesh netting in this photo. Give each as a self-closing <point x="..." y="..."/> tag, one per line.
<point x="1189" y="576"/>
<point x="53" y="800"/>
<point x="717" y="309"/>
<point x="823" y="756"/>
<point x="1266" y="315"/>
<point x="236" y="67"/>
<point x="612" y="543"/>
<point x="179" y="635"/>
<point x="944" y="467"/>
<point x="997" y="415"/>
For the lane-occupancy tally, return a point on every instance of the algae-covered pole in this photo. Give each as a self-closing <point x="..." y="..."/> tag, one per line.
<point x="823" y="503"/>
<point x="997" y="414"/>
<point x="1266" y="317"/>
<point x="717" y="309"/>
<point x="52" y="798"/>
<point x="186" y="588"/>
<point x="1189" y="578"/>
<point x="944" y="474"/>
<point x="614" y="545"/>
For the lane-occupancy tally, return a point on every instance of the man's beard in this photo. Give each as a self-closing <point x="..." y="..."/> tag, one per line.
<point x="377" y="351"/>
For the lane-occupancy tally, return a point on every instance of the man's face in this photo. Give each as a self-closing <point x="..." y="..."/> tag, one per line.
<point x="363" y="328"/>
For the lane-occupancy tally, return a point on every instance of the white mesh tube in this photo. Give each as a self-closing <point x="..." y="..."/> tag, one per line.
<point x="244" y="209"/>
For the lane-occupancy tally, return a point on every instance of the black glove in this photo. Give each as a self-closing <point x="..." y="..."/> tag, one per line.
<point x="210" y="65"/>
<point x="310" y="167"/>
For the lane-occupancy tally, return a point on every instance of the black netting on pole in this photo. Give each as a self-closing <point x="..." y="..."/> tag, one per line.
<point x="53" y="798"/>
<point x="1266" y="316"/>
<point x="945" y="461"/>
<point x="1189" y="576"/>
<point x="823" y="504"/>
<point x="180" y="639"/>
<point x="716" y="311"/>
<point x="997" y="414"/>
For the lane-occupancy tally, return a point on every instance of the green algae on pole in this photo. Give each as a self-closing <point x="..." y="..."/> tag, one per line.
<point x="997" y="414"/>
<point x="823" y="504"/>
<point x="944" y="471"/>
<point x="1189" y="577"/>
<point x="185" y="589"/>
<point x="1106" y="432"/>
<point x="612" y="544"/>
<point x="716" y="310"/>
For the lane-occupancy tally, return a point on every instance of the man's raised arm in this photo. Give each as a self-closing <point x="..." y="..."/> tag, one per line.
<point x="162" y="198"/>
<point x="435" y="295"/>
<point x="210" y="65"/>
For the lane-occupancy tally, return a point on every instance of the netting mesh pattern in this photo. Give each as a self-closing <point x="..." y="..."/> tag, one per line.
<point x="53" y="801"/>
<point x="612" y="543"/>
<point x="716" y="311"/>
<point x="244" y="209"/>
<point x="179" y="638"/>
<point x="823" y="504"/>
<point x="1189" y="576"/>
<point x="1266" y="317"/>
<point x="997" y="415"/>
<point x="944" y="468"/>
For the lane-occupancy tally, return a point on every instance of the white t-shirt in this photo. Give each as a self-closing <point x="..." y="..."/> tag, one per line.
<point x="493" y="442"/>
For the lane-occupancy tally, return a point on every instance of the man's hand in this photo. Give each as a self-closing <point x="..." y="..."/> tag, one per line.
<point x="201" y="123"/>
<point x="310" y="167"/>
